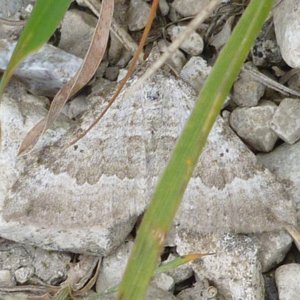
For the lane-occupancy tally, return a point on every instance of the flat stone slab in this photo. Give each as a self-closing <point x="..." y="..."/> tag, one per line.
<point x="87" y="198"/>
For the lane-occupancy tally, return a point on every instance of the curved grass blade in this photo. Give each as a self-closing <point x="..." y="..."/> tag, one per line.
<point x="45" y="18"/>
<point x="171" y="187"/>
<point x="87" y="70"/>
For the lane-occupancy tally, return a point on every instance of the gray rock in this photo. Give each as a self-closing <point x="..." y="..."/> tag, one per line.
<point x="192" y="45"/>
<point x="87" y="198"/>
<point x="284" y="162"/>
<point x="6" y="279"/>
<point x="112" y="73"/>
<point x="201" y="290"/>
<point x="272" y="248"/>
<point x="234" y="268"/>
<point x="158" y="294"/>
<point x="138" y="14"/>
<point x="287" y="280"/>
<point x="195" y="72"/>
<point x="164" y="7"/>
<point x="189" y="7"/>
<point x="76" y="32"/>
<point x="286" y="18"/>
<point x="253" y="125"/>
<point x="176" y="61"/>
<point x="22" y="260"/>
<point x="180" y="273"/>
<point x="113" y="267"/>
<point x="163" y="282"/>
<point x="44" y="72"/>
<point x="14" y="9"/>
<point x="23" y="274"/>
<point x="247" y="91"/>
<point x="286" y="120"/>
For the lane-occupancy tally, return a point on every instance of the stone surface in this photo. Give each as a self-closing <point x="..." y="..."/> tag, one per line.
<point x="287" y="280"/>
<point x="201" y="290"/>
<point x="272" y="248"/>
<point x="189" y="7"/>
<point x="164" y="7"/>
<point x="253" y="125"/>
<point x="286" y="17"/>
<point x="234" y="269"/>
<point x="6" y="279"/>
<point x="138" y="14"/>
<point x="247" y="91"/>
<point x="113" y="267"/>
<point x="192" y="45"/>
<point x="164" y="282"/>
<point x="180" y="273"/>
<point x="177" y="60"/>
<point x="284" y="162"/>
<point x="24" y="261"/>
<point x="195" y="72"/>
<point x="87" y="198"/>
<point x="286" y="120"/>
<point x="23" y="274"/>
<point x="14" y="9"/>
<point x="44" y="72"/>
<point x="76" y="32"/>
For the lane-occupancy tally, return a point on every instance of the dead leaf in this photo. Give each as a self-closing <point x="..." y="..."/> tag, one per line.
<point x="88" y="68"/>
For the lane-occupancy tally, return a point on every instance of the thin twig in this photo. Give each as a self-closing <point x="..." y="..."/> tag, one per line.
<point x="11" y="22"/>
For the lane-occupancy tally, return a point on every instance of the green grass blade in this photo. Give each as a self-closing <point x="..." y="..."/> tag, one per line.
<point x="43" y="21"/>
<point x="170" y="189"/>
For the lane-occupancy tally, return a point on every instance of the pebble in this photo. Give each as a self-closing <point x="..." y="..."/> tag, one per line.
<point x="177" y="60"/>
<point x="199" y="291"/>
<point x="272" y="248"/>
<point x="284" y="163"/>
<point x="164" y="282"/>
<point x="253" y="125"/>
<point x="287" y="280"/>
<point x="164" y="7"/>
<point x="180" y="273"/>
<point x="286" y="120"/>
<point x="247" y="91"/>
<point x="195" y="72"/>
<point x="44" y="72"/>
<point x="23" y="274"/>
<point x="234" y="268"/>
<point x="286" y="16"/>
<point x="112" y="73"/>
<point x="113" y="267"/>
<point x="6" y="279"/>
<point x="138" y="14"/>
<point x="77" y="41"/>
<point x="188" y="8"/>
<point x="193" y="45"/>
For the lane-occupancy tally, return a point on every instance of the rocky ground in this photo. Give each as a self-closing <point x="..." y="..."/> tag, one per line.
<point x="70" y="215"/>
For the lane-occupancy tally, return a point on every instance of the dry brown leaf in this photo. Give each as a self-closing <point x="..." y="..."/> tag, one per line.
<point x="87" y="70"/>
<point x="130" y="71"/>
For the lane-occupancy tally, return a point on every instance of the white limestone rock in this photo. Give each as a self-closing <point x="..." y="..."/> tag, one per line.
<point x="234" y="269"/>
<point x="189" y="7"/>
<point x="284" y="163"/>
<point x="76" y="32"/>
<point x="87" y="198"/>
<point x="247" y="91"/>
<point x="287" y="280"/>
<point x="192" y="45"/>
<point x="113" y="267"/>
<point x="195" y="72"/>
<point x="253" y="125"/>
<point x="286" y="16"/>
<point x="286" y="120"/>
<point x="272" y="248"/>
<point x="44" y="72"/>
